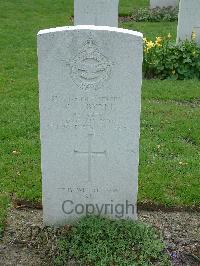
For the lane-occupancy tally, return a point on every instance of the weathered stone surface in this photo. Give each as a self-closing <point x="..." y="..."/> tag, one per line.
<point x="90" y="82"/>
<point x="197" y="33"/>
<point x="163" y="3"/>
<point x="96" y="12"/>
<point x="189" y="19"/>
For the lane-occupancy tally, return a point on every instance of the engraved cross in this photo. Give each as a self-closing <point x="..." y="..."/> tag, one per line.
<point x="89" y="153"/>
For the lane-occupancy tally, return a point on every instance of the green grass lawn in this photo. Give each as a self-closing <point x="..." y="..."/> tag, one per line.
<point x="151" y="30"/>
<point x="170" y="128"/>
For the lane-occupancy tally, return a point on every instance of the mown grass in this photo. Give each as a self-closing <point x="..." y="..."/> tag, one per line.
<point x="151" y="30"/>
<point x="169" y="152"/>
<point x="170" y="141"/>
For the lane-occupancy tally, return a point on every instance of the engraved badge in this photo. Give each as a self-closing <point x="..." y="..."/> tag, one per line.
<point x="89" y="68"/>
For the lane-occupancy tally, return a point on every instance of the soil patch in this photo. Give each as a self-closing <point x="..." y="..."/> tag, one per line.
<point x="180" y="230"/>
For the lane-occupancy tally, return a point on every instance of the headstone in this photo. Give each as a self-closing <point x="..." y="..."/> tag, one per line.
<point x="96" y="12"/>
<point x="163" y="3"/>
<point x="188" y="19"/>
<point x="90" y="85"/>
<point x="197" y="33"/>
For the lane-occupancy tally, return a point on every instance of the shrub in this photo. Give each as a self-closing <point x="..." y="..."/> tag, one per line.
<point x="100" y="241"/>
<point x="164" y="59"/>
<point x="155" y="14"/>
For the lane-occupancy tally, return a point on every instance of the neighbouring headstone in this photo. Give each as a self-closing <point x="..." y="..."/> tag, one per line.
<point x="197" y="34"/>
<point x="96" y="12"/>
<point x="188" y="19"/>
<point x="163" y="3"/>
<point x="90" y="84"/>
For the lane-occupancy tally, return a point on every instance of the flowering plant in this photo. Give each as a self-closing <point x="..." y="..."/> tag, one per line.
<point x="163" y="58"/>
<point x="155" y="14"/>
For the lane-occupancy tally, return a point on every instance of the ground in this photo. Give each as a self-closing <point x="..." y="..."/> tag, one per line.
<point x="22" y="242"/>
<point x="169" y="147"/>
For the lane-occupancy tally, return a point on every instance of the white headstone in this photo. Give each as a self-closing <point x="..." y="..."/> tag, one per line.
<point x="197" y="33"/>
<point x="163" y="3"/>
<point x="189" y="19"/>
<point x="96" y="12"/>
<point x="90" y="83"/>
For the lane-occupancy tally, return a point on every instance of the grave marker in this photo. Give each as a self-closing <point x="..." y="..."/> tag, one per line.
<point x="197" y="33"/>
<point x="188" y="19"/>
<point x="90" y="85"/>
<point x="96" y="12"/>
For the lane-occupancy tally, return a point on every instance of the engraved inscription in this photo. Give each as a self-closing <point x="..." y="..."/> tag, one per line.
<point x="89" y="68"/>
<point x="89" y="154"/>
<point x="89" y="112"/>
<point x="87" y="192"/>
<point x="92" y="190"/>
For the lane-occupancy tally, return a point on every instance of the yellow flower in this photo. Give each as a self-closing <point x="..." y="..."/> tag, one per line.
<point x="169" y="35"/>
<point x="158" y="44"/>
<point x="158" y="39"/>
<point x="173" y="72"/>
<point x="194" y="35"/>
<point x="150" y="45"/>
<point x="145" y="40"/>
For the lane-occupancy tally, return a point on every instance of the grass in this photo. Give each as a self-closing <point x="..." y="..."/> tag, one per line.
<point x="126" y="6"/>
<point x="4" y="203"/>
<point x="100" y="241"/>
<point x="169" y="152"/>
<point x="151" y="30"/>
